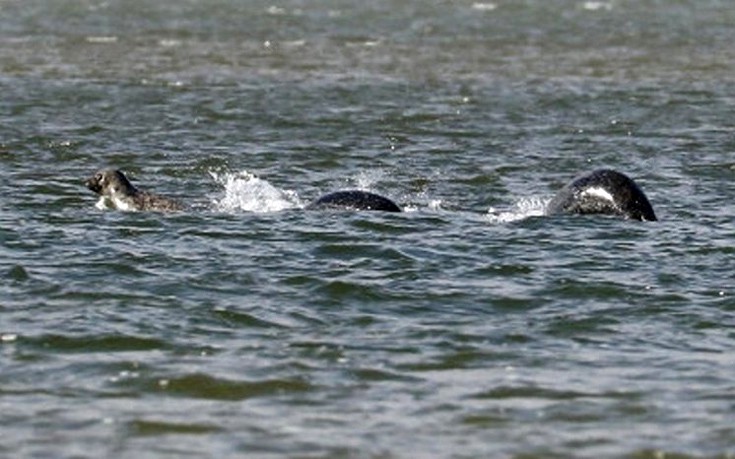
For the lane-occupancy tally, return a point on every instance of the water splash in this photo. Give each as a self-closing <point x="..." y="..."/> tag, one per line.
<point x="409" y="204"/>
<point x="365" y="180"/>
<point x="244" y="191"/>
<point x="597" y="6"/>
<point x="534" y="206"/>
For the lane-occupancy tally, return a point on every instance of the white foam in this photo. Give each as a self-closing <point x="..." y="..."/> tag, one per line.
<point x="524" y="208"/>
<point x="102" y="39"/>
<point x="597" y="6"/>
<point x="484" y="6"/>
<point x="276" y="10"/>
<point x="244" y="191"/>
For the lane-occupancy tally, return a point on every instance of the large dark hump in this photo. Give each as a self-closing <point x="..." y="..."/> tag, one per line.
<point x="353" y="200"/>
<point x="603" y="191"/>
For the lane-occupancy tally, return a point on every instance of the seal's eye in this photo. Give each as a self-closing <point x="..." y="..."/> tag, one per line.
<point x="99" y="178"/>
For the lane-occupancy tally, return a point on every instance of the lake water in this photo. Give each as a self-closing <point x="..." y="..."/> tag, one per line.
<point x="468" y="326"/>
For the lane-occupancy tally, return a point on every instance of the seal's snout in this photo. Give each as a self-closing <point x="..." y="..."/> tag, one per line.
<point x="118" y="193"/>
<point x="93" y="183"/>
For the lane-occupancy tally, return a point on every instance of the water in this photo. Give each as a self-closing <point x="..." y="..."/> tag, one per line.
<point x="468" y="326"/>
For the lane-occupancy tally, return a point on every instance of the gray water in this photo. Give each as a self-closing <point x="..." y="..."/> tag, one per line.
<point x="468" y="326"/>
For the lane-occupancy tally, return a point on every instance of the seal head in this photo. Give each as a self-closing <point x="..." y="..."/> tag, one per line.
<point x="117" y="192"/>
<point x="353" y="200"/>
<point x="604" y="191"/>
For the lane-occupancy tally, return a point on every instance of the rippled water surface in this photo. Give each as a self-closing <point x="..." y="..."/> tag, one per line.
<point x="468" y="326"/>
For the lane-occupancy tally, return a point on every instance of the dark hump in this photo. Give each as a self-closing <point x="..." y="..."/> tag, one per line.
<point x="586" y="194"/>
<point x="354" y="200"/>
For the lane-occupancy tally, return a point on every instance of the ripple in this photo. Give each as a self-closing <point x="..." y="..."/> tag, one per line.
<point x="94" y="343"/>
<point x="144" y="427"/>
<point x="203" y="386"/>
<point x="242" y="319"/>
<point x="468" y="325"/>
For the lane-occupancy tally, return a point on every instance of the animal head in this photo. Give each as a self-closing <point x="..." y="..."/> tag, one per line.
<point x="603" y="191"/>
<point x="109" y="182"/>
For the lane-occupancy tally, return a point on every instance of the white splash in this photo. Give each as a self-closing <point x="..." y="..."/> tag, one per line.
<point x="366" y="179"/>
<point x="484" y="6"/>
<point x="597" y="6"/>
<point x="522" y="209"/>
<point x="244" y="191"/>
<point x="435" y="204"/>
<point x="101" y="39"/>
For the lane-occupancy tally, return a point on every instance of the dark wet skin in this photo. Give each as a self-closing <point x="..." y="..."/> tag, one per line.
<point x="603" y="191"/>
<point x="354" y="200"/>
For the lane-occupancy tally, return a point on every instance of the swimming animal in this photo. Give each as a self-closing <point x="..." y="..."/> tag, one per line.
<point x="117" y="192"/>
<point x="353" y="200"/>
<point x="603" y="191"/>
